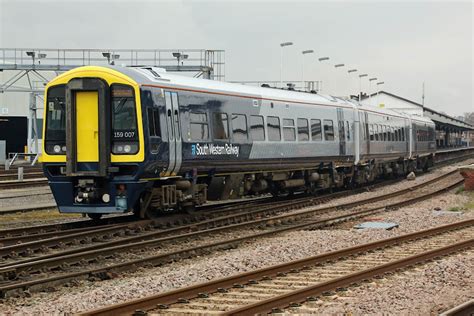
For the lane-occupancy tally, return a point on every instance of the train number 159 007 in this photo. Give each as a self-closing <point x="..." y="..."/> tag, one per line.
<point x="124" y="134"/>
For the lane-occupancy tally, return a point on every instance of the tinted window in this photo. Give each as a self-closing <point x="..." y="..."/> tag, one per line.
<point x="273" y="128"/>
<point x="156" y="120"/>
<point x="303" y="130"/>
<point x="239" y="127"/>
<point x="328" y="130"/>
<point x="316" y="130"/>
<point x="56" y="114"/>
<point x="289" y="130"/>
<point x="124" y="122"/>
<point x="151" y="124"/>
<point x="199" y="128"/>
<point x="348" y="130"/>
<point x="257" y="127"/>
<point x="220" y="126"/>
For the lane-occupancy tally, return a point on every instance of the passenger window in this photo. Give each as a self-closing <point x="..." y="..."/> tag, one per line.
<point x="239" y="127"/>
<point x="316" y="130"/>
<point x="289" y="130"/>
<point x="389" y="136"/>
<point x="220" y="126"/>
<point x="154" y="122"/>
<point x="273" y="128"/>
<point x="348" y="130"/>
<point x="371" y="132"/>
<point x="303" y="131"/>
<point x="156" y="115"/>
<point x="328" y="130"/>
<point x="151" y="124"/>
<point x="376" y="132"/>
<point x="257" y="127"/>
<point x="199" y="127"/>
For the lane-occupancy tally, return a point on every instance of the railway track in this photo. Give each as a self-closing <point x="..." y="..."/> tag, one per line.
<point x="161" y="247"/>
<point x="26" y="175"/>
<point x="292" y="287"/>
<point x="30" y="233"/>
<point x="33" y="182"/>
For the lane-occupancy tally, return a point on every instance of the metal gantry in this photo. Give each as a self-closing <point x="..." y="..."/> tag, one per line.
<point x="31" y="67"/>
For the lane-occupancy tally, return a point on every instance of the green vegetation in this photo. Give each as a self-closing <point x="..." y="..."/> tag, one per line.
<point x="454" y="209"/>
<point x="460" y="190"/>
<point x="470" y="204"/>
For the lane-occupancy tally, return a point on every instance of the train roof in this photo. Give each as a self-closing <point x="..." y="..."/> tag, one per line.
<point x="158" y="77"/>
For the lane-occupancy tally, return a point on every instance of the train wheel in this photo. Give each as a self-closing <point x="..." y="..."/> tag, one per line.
<point x="94" y="216"/>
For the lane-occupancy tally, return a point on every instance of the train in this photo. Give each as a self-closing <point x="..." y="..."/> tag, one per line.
<point x="142" y="140"/>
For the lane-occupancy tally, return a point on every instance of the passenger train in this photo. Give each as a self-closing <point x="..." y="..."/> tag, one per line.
<point x="137" y="139"/>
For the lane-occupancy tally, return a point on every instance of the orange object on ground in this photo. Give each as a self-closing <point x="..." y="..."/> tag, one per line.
<point x="468" y="173"/>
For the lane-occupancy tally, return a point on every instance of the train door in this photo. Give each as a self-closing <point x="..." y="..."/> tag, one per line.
<point x="174" y="132"/>
<point x="342" y="134"/>
<point x="87" y="132"/>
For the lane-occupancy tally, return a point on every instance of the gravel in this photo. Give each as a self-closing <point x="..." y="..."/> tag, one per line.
<point x="84" y="295"/>
<point x="427" y="290"/>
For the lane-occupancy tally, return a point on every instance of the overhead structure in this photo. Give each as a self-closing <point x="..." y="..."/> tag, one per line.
<point x="450" y="131"/>
<point x="29" y="69"/>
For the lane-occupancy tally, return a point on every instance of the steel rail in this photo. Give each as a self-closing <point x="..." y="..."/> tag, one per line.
<point x="27" y="182"/>
<point x="229" y="221"/>
<point x="298" y="296"/>
<point x="194" y="291"/>
<point x="58" y="262"/>
<point x="41" y="229"/>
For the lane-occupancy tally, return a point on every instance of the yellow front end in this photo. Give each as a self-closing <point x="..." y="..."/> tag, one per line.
<point x="93" y="141"/>
<point x="87" y="116"/>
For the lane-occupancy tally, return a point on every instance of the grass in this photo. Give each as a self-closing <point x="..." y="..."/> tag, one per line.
<point x="460" y="190"/>
<point x="454" y="209"/>
<point x="470" y="203"/>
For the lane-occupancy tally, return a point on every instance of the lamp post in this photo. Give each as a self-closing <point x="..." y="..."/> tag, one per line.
<point x="360" y="85"/>
<point x="285" y="44"/>
<point x="32" y="55"/>
<point x="335" y="80"/>
<point x="370" y="83"/>
<point x="378" y="84"/>
<point x="309" y="51"/>
<point x="180" y="57"/>
<point x="321" y="60"/>
<point x="351" y="71"/>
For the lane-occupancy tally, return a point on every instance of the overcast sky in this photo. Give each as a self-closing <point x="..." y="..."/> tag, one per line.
<point x="402" y="43"/>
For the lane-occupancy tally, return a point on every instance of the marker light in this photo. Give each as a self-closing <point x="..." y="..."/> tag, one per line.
<point x="127" y="148"/>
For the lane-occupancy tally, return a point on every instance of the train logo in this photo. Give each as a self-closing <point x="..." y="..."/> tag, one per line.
<point x="214" y="150"/>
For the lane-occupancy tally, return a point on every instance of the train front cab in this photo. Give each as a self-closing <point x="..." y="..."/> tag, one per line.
<point x="93" y="141"/>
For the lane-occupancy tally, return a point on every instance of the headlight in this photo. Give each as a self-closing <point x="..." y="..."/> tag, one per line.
<point x="125" y="148"/>
<point x="57" y="149"/>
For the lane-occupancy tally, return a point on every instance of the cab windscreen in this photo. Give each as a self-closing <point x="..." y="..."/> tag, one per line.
<point x="124" y="120"/>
